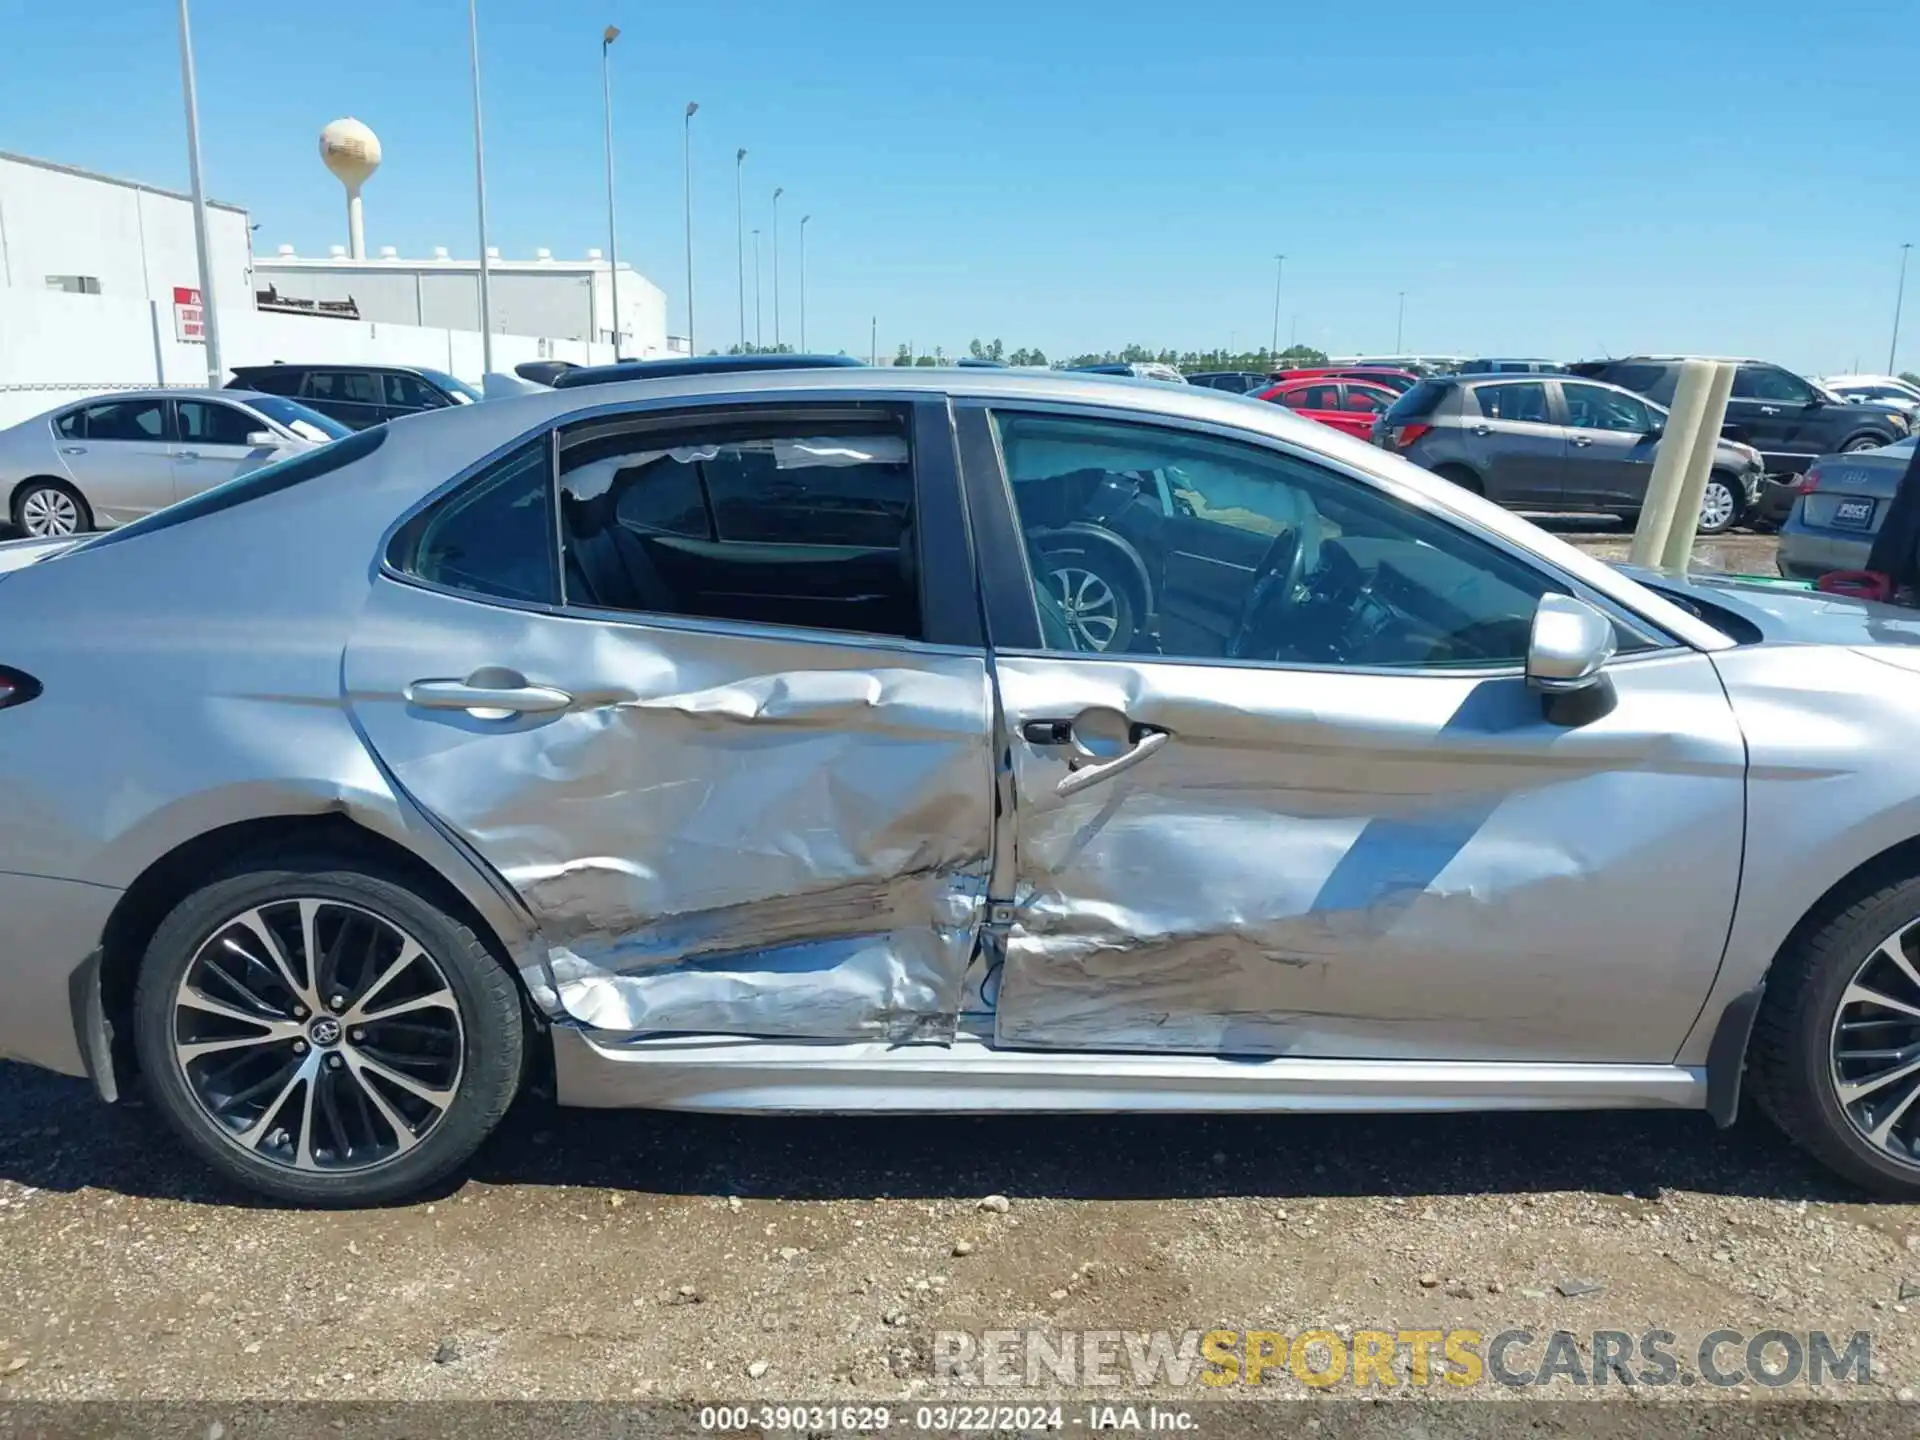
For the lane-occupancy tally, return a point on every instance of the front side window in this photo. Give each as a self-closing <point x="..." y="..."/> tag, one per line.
<point x="126" y="420"/>
<point x="1365" y="401"/>
<point x="494" y="536"/>
<point x="763" y="524"/>
<point x="1594" y="407"/>
<point x="409" y="392"/>
<point x="206" y="423"/>
<point x="1765" y="382"/>
<point x="1522" y="400"/>
<point x="1258" y="556"/>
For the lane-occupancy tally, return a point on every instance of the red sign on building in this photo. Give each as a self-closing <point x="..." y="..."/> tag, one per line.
<point x="189" y="317"/>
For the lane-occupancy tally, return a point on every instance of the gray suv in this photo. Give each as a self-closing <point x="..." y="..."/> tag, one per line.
<point x="1554" y="443"/>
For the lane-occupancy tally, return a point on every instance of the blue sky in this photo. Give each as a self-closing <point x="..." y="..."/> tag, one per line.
<point x="1538" y="178"/>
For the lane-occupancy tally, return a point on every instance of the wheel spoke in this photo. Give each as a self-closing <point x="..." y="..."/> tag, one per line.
<point x="1893" y="950"/>
<point x="438" y="1000"/>
<point x="363" y="1065"/>
<point x="258" y="927"/>
<point x="1852" y="1090"/>
<point x="403" y="1137"/>
<point x="303" y="1153"/>
<point x="409" y="952"/>
<point x="194" y="1000"/>
<point x="1858" y="994"/>
<point x="1883" y="1131"/>
<point x="250" y="1137"/>
<point x="193" y="1050"/>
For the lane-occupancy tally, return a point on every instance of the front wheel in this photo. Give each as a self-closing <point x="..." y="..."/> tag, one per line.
<point x="320" y="1032"/>
<point x="1835" y="1059"/>
<point x="1720" y="505"/>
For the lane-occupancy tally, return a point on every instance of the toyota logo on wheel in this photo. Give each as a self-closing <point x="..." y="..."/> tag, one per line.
<point x="325" y="1031"/>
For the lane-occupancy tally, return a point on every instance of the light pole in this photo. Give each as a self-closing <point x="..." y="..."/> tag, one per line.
<point x="480" y="192"/>
<point x="740" y="238"/>
<point x="1400" y="324"/>
<point x="803" y="282"/>
<point x="686" y="158"/>
<point x="1279" y="269"/>
<point x="756" y="290"/>
<point x="607" y="37"/>
<point x="209" y="317"/>
<point x="873" y="340"/>
<point x="778" y="191"/>
<point x="1899" y="297"/>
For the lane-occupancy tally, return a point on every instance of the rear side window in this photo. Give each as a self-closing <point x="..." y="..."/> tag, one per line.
<point x="275" y="380"/>
<point x="494" y="536"/>
<point x="1646" y="379"/>
<point x="356" y="386"/>
<point x="127" y="420"/>
<point x="72" y="425"/>
<point x="268" y="480"/>
<point x="1418" y="403"/>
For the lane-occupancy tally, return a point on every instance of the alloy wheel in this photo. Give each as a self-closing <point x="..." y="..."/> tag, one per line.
<point x="1716" y="506"/>
<point x="48" y="512"/>
<point x="1092" y="609"/>
<point x="318" y="1035"/>
<point x="1875" y="1048"/>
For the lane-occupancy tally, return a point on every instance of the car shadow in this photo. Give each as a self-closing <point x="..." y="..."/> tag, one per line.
<point x="55" y="1136"/>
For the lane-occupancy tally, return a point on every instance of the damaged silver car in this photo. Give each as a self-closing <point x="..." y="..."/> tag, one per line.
<point x="727" y="743"/>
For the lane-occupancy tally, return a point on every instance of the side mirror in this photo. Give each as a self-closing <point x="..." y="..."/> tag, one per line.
<point x="263" y="437"/>
<point x="1655" y="431"/>
<point x="1570" y="643"/>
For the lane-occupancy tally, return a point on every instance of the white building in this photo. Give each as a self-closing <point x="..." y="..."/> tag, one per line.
<point x="558" y="299"/>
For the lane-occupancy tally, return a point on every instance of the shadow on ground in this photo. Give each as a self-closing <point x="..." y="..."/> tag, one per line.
<point x="54" y="1135"/>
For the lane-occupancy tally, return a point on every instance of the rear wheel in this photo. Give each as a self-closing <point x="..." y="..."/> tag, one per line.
<point x="321" y="1033"/>
<point x="1835" y="1059"/>
<point x="1095" y="588"/>
<point x="1862" y="442"/>
<point x="44" y="508"/>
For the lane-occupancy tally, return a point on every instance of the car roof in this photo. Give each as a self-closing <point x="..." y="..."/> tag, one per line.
<point x="169" y="392"/>
<point x="622" y="370"/>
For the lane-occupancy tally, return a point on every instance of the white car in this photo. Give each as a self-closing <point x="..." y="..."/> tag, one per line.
<point x="1903" y="395"/>
<point x="94" y="464"/>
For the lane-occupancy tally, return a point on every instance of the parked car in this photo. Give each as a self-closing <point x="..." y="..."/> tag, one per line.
<point x="1399" y="381"/>
<point x="99" y="463"/>
<point x="1841" y="503"/>
<point x="358" y="396"/>
<point x="1235" y="382"/>
<point x="1555" y="443"/>
<point x="1787" y="419"/>
<point x="1350" y="406"/>
<point x="1487" y="366"/>
<point x="761" y="770"/>
<point x="1140" y="370"/>
<point x="1890" y="390"/>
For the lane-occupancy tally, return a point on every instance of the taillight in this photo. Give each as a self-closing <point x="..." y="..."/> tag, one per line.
<point x="16" y="687"/>
<point x="1809" y="482"/>
<point x="1405" y="435"/>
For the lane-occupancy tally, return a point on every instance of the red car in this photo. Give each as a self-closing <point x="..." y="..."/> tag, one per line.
<point x="1350" y="406"/>
<point x="1398" y="381"/>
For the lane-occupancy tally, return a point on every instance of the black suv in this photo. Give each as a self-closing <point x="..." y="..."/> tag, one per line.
<point x="361" y="396"/>
<point x="1790" y="421"/>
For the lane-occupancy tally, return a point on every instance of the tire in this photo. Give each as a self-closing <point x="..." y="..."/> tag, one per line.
<point x="1096" y="588"/>
<point x="45" y="507"/>
<point x="1463" y="477"/>
<point x="1726" y="511"/>
<point x="456" y="1032"/>
<point x="1862" y="442"/>
<point x="1790" y="1065"/>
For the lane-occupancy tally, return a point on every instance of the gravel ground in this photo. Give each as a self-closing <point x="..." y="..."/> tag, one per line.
<point x="618" y="1256"/>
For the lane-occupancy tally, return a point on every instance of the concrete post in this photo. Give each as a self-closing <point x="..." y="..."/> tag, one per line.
<point x="1677" y="552"/>
<point x="1670" y="464"/>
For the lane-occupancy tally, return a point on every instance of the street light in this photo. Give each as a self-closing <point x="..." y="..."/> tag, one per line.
<point x="756" y="291"/>
<point x="607" y="37"/>
<point x="209" y="317"/>
<point x="803" y="282"/>
<point x="480" y="193"/>
<point x="778" y="191"/>
<point x="686" y="157"/>
<point x="1279" y="269"/>
<point x="740" y="238"/>
<point x="1899" y="296"/>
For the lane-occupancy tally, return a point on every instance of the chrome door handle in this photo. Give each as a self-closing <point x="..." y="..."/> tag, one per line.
<point x="188" y="455"/>
<point x="1582" y="440"/>
<point x="1482" y="430"/>
<point x="73" y="449"/>
<point x="488" y="695"/>
<point x="1074" y="781"/>
<point x="1769" y="409"/>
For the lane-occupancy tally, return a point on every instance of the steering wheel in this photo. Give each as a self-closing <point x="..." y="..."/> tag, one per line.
<point x="1276" y="583"/>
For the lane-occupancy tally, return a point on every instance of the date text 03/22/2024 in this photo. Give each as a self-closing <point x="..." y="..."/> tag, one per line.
<point x="942" y="1419"/>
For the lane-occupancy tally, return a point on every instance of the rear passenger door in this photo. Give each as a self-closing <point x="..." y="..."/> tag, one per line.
<point x="122" y="463"/>
<point x="740" y="770"/>
<point x="353" y="397"/>
<point x="1516" y="444"/>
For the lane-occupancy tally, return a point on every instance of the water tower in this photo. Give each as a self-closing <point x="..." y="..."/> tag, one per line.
<point x="352" y="152"/>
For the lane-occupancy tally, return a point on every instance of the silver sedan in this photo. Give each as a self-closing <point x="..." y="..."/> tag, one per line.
<point x="725" y="743"/>
<point x="99" y="463"/>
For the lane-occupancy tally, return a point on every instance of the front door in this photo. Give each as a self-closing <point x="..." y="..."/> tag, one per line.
<point x="757" y="805"/>
<point x="1610" y="447"/>
<point x="1518" y="447"/>
<point x="1778" y="414"/>
<point x="1348" y="828"/>
<point x="211" y="444"/>
<point x="120" y="459"/>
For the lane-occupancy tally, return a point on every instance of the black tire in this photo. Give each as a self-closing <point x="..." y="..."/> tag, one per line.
<point x="1789" y="1060"/>
<point x="1734" y="513"/>
<point x="1863" y="442"/>
<point x="46" y="485"/>
<point x="1463" y="477"/>
<point x="488" y="1011"/>
<point x="1068" y="562"/>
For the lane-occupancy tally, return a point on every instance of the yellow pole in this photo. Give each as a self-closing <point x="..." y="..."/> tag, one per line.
<point x="1677" y="552"/>
<point x="1670" y="462"/>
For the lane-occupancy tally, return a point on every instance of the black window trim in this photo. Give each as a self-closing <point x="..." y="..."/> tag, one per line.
<point x="952" y="613"/>
<point x="1007" y="581"/>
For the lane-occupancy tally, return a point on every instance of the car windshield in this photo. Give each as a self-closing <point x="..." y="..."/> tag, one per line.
<point x="307" y="424"/>
<point x="462" y="392"/>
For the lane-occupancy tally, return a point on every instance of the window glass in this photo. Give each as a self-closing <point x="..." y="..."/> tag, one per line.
<point x="411" y="393"/>
<point x="453" y="385"/>
<point x="126" y="420"/>
<point x="358" y="386"/>
<point x="307" y="424"/>
<point x="1764" y="382"/>
<point x="765" y="525"/>
<point x="72" y="425"/>
<point x="1156" y="542"/>
<point x="1643" y="378"/>
<point x="1593" y="407"/>
<point x="1366" y="401"/>
<point x="1315" y="397"/>
<point x="211" y="423"/>
<point x="272" y="379"/>
<point x="1522" y="400"/>
<point x="495" y="535"/>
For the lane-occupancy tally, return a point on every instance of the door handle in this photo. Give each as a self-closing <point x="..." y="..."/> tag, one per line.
<point x="1769" y="409"/>
<point x="1583" y="440"/>
<point x="1074" y="781"/>
<point x="188" y="455"/>
<point x="73" y="449"/>
<point x="1482" y="430"/>
<point x="488" y="694"/>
